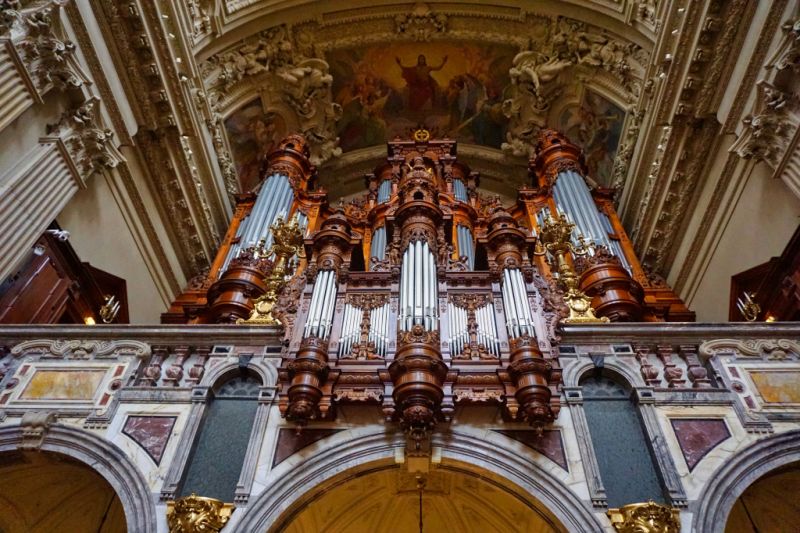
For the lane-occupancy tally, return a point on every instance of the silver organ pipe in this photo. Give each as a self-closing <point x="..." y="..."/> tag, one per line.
<point x="616" y="247"/>
<point x="350" y="331"/>
<point x="459" y="329"/>
<point x="508" y="306"/>
<point x="378" y="329"/>
<point x="418" y="281"/>
<point x="488" y="327"/>
<point x="384" y="191"/>
<point x="460" y="191"/>
<point x="418" y="288"/>
<point x="572" y="195"/>
<point x="377" y="247"/>
<point x="233" y="251"/>
<point x="466" y="246"/>
<point x="323" y="300"/>
<point x="519" y="319"/>
<point x="302" y="221"/>
<point x="274" y="199"/>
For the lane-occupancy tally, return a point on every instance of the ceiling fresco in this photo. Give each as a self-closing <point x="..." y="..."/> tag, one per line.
<point x="596" y="126"/>
<point x="253" y="133"/>
<point x="454" y="89"/>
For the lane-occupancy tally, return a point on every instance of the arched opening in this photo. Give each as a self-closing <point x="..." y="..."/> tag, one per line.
<point x="627" y="467"/>
<point x="333" y="462"/>
<point x="44" y="492"/>
<point x="768" y="504"/>
<point x="454" y="498"/>
<point x="225" y="432"/>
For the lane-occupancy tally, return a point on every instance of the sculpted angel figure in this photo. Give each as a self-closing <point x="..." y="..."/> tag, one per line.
<point x="530" y="66"/>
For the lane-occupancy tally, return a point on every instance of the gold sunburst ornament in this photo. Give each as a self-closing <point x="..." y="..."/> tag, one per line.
<point x="422" y="135"/>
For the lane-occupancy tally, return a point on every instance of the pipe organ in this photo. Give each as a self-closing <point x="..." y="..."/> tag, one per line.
<point x="421" y="294"/>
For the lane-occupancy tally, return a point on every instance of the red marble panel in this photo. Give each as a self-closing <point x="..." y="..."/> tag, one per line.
<point x="290" y="441"/>
<point x="548" y="444"/>
<point x="698" y="436"/>
<point x="151" y="433"/>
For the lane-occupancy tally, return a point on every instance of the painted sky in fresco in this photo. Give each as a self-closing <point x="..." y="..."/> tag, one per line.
<point x="455" y="90"/>
<point x="595" y="126"/>
<point x="252" y="134"/>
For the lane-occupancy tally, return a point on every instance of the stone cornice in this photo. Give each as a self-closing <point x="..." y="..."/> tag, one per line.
<point x="676" y="332"/>
<point x="166" y="335"/>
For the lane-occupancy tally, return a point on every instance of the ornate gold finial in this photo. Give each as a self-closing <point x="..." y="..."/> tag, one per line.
<point x="196" y="514"/>
<point x="647" y="517"/>
<point x="422" y="135"/>
<point x="556" y="237"/>
<point x="287" y="242"/>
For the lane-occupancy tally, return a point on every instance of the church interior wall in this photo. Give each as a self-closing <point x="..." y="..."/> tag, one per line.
<point x="114" y="249"/>
<point x="761" y="221"/>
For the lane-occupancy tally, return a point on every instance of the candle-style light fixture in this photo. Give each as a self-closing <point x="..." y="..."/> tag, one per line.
<point x="748" y="307"/>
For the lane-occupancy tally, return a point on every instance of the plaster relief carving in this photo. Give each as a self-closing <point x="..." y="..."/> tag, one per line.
<point x="778" y="349"/>
<point x="421" y="23"/>
<point x="275" y="64"/>
<point x="79" y="349"/>
<point x="35" y="425"/>
<point x="539" y="75"/>
<point x="770" y="127"/>
<point x="36" y="34"/>
<point x="90" y="145"/>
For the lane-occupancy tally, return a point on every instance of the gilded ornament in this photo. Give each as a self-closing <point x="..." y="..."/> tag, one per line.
<point x="196" y="514"/>
<point x="647" y="517"/>
<point x="555" y="238"/>
<point x="287" y="242"/>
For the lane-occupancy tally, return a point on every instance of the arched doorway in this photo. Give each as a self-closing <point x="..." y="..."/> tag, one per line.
<point x="44" y="492"/>
<point x="468" y="463"/>
<point x="762" y="467"/>
<point x="388" y="500"/>
<point x="769" y="504"/>
<point x="101" y="457"/>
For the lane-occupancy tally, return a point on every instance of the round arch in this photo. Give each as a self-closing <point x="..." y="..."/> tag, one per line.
<point x="359" y="455"/>
<point x="266" y="372"/>
<point x="739" y="472"/>
<point x="103" y="457"/>
<point x="577" y="371"/>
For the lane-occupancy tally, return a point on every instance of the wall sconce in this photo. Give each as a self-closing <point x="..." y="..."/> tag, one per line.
<point x="748" y="307"/>
<point x="109" y="310"/>
<point x="89" y="320"/>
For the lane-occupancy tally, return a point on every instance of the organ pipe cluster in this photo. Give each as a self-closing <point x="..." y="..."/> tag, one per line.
<point x="418" y="288"/>
<point x="519" y="320"/>
<point x="323" y="300"/>
<point x="485" y="330"/>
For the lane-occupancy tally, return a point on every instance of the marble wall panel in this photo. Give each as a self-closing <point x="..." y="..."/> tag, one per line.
<point x="63" y="385"/>
<point x="549" y="444"/>
<point x="290" y="441"/>
<point x="697" y="437"/>
<point x="777" y="386"/>
<point x="152" y="433"/>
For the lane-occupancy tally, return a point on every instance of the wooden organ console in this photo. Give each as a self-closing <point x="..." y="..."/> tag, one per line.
<point x="422" y="294"/>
